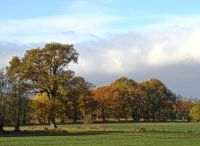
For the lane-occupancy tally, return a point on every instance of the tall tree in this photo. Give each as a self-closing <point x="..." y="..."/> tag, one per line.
<point x="123" y="101"/>
<point x="78" y="95"/>
<point x="18" y="101"/>
<point x="137" y="97"/>
<point x="46" y="70"/>
<point x="158" y="100"/>
<point x="103" y="96"/>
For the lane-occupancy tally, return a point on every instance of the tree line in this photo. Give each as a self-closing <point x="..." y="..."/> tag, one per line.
<point x="40" y="88"/>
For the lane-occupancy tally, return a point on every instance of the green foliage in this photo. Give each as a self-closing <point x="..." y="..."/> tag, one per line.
<point x="124" y="102"/>
<point x="14" y="103"/>
<point x="124" y="84"/>
<point x="157" y="101"/>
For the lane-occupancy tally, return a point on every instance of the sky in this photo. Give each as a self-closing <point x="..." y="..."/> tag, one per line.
<point x="140" y="39"/>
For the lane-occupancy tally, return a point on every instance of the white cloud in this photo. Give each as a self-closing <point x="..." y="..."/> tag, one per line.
<point x="126" y="53"/>
<point x="180" y="46"/>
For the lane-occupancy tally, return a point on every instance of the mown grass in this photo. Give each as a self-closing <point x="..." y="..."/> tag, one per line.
<point x="155" y="134"/>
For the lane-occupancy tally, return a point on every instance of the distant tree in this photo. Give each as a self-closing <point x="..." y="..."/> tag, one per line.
<point x="182" y="108"/>
<point x="195" y="111"/>
<point x="45" y="70"/>
<point x="79" y="96"/>
<point x="124" y="84"/>
<point x="158" y="100"/>
<point x="104" y="97"/>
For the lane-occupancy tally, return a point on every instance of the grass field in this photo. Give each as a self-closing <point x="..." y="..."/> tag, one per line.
<point x="155" y="134"/>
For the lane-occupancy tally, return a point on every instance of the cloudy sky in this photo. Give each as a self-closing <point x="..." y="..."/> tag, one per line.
<point x="140" y="39"/>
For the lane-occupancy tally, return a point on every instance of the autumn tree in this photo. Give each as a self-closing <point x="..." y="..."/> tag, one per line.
<point x="183" y="107"/>
<point x="104" y="97"/>
<point x="45" y="70"/>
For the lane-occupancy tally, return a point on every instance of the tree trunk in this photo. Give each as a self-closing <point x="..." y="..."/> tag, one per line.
<point x="103" y="114"/>
<point x="75" y="115"/>
<point x="52" y="117"/>
<point x="138" y="114"/>
<point x="1" y="127"/>
<point x="17" y="128"/>
<point x="53" y="123"/>
<point x="62" y="120"/>
<point x="132" y="114"/>
<point x="147" y="118"/>
<point x="17" y="122"/>
<point x="159" y="113"/>
<point x="153" y="116"/>
<point x="18" y="112"/>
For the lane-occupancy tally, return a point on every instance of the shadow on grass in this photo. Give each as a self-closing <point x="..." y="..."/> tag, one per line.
<point x="28" y="133"/>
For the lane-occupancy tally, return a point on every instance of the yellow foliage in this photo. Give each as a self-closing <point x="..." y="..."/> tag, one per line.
<point x="40" y="105"/>
<point x="195" y="112"/>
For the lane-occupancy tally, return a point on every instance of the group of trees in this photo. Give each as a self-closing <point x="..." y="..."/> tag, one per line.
<point x="39" y="87"/>
<point x="124" y="98"/>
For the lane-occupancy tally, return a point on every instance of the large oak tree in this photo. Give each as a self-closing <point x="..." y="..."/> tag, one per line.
<point x="46" y="70"/>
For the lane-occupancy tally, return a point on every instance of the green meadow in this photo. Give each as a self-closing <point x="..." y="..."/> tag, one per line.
<point x="123" y="134"/>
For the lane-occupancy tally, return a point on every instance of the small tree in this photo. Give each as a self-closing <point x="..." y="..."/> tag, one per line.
<point x="195" y="112"/>
<point x="3" y="100"/>
<point x="40" y="105"/>
<point x="18" y="102"/>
